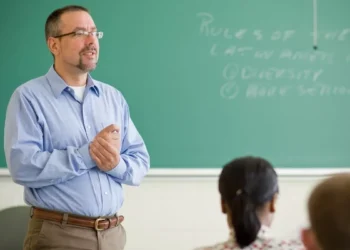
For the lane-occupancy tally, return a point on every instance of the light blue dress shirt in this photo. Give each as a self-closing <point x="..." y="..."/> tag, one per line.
<point x="47" y="136"/>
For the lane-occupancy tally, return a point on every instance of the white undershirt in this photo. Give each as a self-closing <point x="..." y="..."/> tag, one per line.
<point x="79" y="92"/>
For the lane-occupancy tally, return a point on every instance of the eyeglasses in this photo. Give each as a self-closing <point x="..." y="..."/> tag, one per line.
<point x="83" y="33"/>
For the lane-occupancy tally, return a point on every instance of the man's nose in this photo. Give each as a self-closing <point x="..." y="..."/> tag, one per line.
<point x="91" y="44"/>
<point x="91" y="39"/>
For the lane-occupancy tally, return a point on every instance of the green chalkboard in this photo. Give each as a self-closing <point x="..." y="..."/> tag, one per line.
<point x="209" y="80"/>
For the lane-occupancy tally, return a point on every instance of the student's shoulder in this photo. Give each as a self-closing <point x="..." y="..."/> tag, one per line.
<point x="284" y="244"/>
<point x="218" y="246"/>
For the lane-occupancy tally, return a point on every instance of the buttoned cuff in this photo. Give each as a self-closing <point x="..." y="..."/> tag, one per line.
<point x="85" y="156"/>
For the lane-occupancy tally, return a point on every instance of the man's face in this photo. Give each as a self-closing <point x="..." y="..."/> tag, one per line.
<point x="77" y="51"/>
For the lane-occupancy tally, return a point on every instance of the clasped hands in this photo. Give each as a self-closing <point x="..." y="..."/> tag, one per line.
<point x="105" y="148"/>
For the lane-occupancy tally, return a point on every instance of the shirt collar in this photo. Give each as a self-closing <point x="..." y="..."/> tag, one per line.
<point x="58" y="85"/>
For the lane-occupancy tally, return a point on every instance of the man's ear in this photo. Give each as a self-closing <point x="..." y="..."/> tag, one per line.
<point x="53" y="45"/>
<point x="309" y="240"/>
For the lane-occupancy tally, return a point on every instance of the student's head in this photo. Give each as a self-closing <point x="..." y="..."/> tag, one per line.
<point x="248" y="188"/>
<point x="73" y="49"/>
<point x="329" y="215"/>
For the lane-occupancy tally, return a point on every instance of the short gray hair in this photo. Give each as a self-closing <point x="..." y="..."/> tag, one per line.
<point x="53" y="20"/>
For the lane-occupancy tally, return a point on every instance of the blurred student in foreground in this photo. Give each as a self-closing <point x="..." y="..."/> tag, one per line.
<point x="329" y="215"/>
<point x="249" y="188"/>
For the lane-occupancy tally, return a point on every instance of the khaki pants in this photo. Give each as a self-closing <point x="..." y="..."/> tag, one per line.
<point x="47" y="235"/>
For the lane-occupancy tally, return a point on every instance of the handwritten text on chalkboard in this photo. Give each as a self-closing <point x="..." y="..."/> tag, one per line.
<point x="252" y="69"/>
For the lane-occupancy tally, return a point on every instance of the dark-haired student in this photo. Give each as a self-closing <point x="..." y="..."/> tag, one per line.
<point x="249" y="188"/>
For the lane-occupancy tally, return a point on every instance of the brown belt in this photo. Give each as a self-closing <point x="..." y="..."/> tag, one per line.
<point x="99" y="224"/>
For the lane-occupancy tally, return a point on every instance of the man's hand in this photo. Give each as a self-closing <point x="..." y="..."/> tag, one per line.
<point x="105" y="148"/>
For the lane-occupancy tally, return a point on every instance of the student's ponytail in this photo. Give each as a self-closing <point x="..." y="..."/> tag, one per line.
<point x="245" y="221"/>
<point x="245" y="185"/>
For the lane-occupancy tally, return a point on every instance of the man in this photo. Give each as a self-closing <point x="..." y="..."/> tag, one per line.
<point x="70" y="141"/>
<point x="329" y="216"/>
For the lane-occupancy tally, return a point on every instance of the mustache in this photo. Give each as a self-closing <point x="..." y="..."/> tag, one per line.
<point x="89" y="49"/>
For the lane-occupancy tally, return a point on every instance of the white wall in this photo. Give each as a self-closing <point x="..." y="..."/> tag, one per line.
<point x="183" y="213"/>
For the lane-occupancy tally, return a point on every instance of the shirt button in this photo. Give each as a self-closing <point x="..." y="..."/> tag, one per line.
<point x="88" y="127"/>
<point x="106" y="193"/>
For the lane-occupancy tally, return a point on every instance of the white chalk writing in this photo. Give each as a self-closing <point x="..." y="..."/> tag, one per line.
<point x="282" y="54"/>
<point x="208" y="28"/>
<point x="231" y="90"/>
<point x="311" y="56"/>
<point x="338" y="35"/>
<point x="273" y="69"/>
<point x="323" y="90"/>
<point x="256" y="90"/>
<point x="230" y="51"/>
<point x="232" y="70"/>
